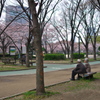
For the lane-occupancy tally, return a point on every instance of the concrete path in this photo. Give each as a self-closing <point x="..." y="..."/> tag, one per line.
<point x="50" y="67"/>
<point x="12" y="85"/>
<point x="16" y="84"/>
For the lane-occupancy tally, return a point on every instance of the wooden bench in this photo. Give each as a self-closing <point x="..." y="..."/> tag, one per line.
<point x="24" y="62"/>
<point x="31" y="63"/>
<point x="88" y="75"/>
<point x="7" y="60"/>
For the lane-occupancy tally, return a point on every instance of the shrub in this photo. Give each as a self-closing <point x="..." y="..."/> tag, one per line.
<point x="8" y="55"/>
<point x="54" y="57"/>
<point x="77" y="55"/>
<point x="98" y="53"/>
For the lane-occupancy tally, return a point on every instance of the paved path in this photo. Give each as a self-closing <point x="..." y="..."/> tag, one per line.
<point x="50" y="67"/>
<point x="15" y="84"/>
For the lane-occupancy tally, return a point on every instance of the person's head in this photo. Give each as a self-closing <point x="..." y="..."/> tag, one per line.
<point x="78" y="60"/>
<point x="86" y="60"/>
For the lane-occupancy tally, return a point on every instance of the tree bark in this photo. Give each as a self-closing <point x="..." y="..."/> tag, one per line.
<point x="38" y="48"/>
<point x="27" y="56"/>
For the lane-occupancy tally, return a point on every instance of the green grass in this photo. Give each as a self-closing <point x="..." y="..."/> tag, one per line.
<point x="14" y="67"/>
<point x="82" y="84"/>
<point x="32" y="95"/>
<point x="7" y="68"/>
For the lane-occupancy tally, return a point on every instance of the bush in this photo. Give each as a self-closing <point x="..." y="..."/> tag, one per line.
<point x="54" y="57"/>
<point x="8" y="55"/>
<point x="98" y="53"/>
<point x="77" y="56"/>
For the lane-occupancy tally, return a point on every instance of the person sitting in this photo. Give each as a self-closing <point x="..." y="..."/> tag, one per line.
<point x="80" y="69"/>
<point x="23" y="60"/>
<point x="87" y="65"/>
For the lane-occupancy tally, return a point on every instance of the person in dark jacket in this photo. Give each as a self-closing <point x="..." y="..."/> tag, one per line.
<point x="80" y="69"/>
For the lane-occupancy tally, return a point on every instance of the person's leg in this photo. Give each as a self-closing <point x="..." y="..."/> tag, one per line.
<point x="73" y="75"/>
<point x="78" y="76"/>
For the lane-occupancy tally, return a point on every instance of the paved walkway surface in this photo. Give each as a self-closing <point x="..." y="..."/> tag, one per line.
<point x="50" y="67"/>
<point x="16" y="84"/>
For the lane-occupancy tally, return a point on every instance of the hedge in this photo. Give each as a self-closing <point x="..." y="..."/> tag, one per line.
<point x="77" y="55"/>
<point x="8" y="55"/>
<point x="54" y="57"/>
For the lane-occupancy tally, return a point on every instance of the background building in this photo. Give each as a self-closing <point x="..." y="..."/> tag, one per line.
<point x="12" y="12"/>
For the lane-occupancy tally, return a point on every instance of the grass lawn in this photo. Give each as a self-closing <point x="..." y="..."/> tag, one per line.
<point x="8" y="67"/>
<point x="72" y="90"/>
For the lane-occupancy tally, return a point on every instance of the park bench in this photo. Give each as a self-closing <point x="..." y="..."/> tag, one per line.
<point x="31" y="62"/>
<point x="8" y="60"/>
<point x="88" y="75"/>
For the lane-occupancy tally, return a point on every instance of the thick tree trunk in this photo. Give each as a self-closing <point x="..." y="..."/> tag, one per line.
<point x="3" y="52"/>
<point x="86" y="52"/>
<point x="94" y="51"/>
<point x="39" y="62"/>
<point x="38" y="48"/>
<point x="72" y="50"/>
<point x="68" y="52"/>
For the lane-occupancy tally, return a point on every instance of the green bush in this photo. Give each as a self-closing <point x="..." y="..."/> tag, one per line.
<point x="98" y="53"/>
<point x="77" y="56"/>
<point x="8" y="55"/>
<point x="54" y="57"/>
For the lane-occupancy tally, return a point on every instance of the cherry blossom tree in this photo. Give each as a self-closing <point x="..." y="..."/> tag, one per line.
<point x="49" y="38"/>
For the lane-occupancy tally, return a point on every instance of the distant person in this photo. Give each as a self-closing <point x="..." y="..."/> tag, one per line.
<point x="87" y="65"/>
<point x="23" y="59"/>
<point x="80" y="69"/>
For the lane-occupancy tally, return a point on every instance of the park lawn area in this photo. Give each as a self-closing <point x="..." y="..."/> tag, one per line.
<point x="10" y="67"/>
<point x="84" y="89"/>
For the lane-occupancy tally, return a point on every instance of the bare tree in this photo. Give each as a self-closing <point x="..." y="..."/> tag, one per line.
<point x="74" y="21"/>
<point x="90" y="27"/>
<point x="2" y="3"/>
<point x="61" y="26"/>
<point x="48" y="39"/>
<point x="96" y="3"/>
<point x="36" y="30"/>
<point x="62" y="37"/>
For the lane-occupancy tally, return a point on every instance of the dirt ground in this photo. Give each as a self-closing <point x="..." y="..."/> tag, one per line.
<point x="85" y="94"/>
<point x="12" y="85"/>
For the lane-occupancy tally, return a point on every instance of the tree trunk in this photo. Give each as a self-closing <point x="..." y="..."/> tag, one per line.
<point x="68" y="52"/>
<point x="86" y="52"/>
<point x="27" y="56"/>
<point x="38" y="48"/>
<point x="39" y="62"/>
<point x="72" y="50"/>
<point x="3" y="52"/>
<point x="94" y="51"/>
